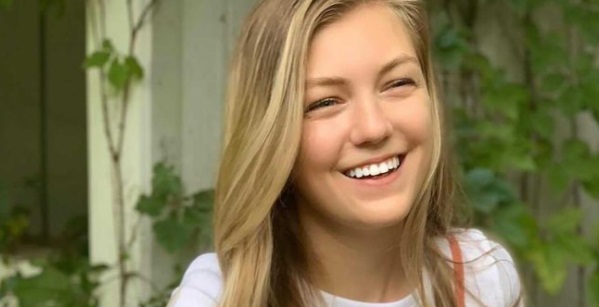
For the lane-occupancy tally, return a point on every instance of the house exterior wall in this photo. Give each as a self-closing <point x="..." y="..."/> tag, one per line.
<point x="177" y="117"/>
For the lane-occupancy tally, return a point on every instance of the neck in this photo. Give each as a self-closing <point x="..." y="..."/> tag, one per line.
<point x="362" y="265"/>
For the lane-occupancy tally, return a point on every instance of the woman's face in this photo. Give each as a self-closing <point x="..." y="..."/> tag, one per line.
<point x="366" y="138"/>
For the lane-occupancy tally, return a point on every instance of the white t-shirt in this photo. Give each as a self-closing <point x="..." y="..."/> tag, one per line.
<point x="490" y="275"/>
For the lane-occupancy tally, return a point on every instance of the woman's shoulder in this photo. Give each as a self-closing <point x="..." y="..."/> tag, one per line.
<point x="201" y="285"/>
<point x="491" y="275"/>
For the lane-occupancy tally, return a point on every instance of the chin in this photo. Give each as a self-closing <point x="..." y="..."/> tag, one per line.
<point x="378" y="215"/>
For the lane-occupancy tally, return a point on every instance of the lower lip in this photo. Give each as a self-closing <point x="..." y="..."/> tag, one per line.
<point x="381" y="181"/>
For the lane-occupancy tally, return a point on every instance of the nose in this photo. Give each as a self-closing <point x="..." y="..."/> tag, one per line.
<point x="370" y="123"/>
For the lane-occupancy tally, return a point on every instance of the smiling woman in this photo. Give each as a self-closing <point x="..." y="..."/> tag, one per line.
<point x="335" y="187"/>
<point x="378" y="112"/>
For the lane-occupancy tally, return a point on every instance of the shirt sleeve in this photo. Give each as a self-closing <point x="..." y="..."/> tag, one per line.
<point x="491" y="277"/>
<point x="201" y="284"/>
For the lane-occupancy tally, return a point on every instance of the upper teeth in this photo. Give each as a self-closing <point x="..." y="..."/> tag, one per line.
<point x="374" y="169"/>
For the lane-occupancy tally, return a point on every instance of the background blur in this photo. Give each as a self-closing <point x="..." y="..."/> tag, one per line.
<point x="520" y="78"/>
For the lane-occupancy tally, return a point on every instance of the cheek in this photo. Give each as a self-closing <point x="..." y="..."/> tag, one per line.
<point x="413" y="118"/>
<point x="320" y="145"/>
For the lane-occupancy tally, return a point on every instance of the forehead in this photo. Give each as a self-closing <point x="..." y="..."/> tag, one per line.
<point x="371" y="34"/>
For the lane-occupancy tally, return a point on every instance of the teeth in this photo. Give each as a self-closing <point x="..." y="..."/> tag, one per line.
<point x="359" y="173"/>
<point x="366" y="171"/>
<point x="391" y="164"/>
<point x="383" y="167"/>
<point x="374" y="169"/>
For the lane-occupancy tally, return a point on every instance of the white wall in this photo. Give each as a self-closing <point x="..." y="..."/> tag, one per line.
<point x="192" y="42"/>
<point x="175" y="116"/>
<point x="136" y="163"/>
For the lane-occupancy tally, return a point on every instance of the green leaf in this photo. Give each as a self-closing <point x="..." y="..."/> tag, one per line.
<point x="134" y="67"/>
<point x="118" y="74"/>
<point x="199" y="219"/>
<point x="576" y="249"/>
<point x="522" y="162"/>
<point x="515" y="225"/>
<point x="592" y="187"/>
<point x="542" y="124"/>
<point x="477" y="183"/>
<point x="575" y="149"/>
<point x="577" y="157"/>
<point x="502" y="102"/>
<point x="97" y="59"/>
<point x="584" y="16"/>
<point x="571" y="100"/>
<point x="558" y="177"/>
<point x="172" y="234"/>
<point x="450" y="47"/>
<point x="165" y="182"/>
<point x="107" y="46"/>
<point x="49" y="287"/>
<point x="549" y="266"/>
<point x="480" y="63"/>
<point x="151" y="206"/>
<point x="479" y="177"/>
<point x="565" y="221"/>
<point x="192" y="216"/>
<point x="553" y="82"/>
<point x="501" y="132"/>
<point x="204" y="200"/>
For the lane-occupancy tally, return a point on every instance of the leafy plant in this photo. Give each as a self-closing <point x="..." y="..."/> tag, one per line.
<point x="65" y="276"/>
<point x="178" y="221"/>
<point x="118" y="72"/>
<point x="55" y="285"/>
<point x="506" y="121"/>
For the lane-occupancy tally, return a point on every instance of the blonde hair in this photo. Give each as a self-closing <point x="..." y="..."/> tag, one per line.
<point x="258" y="243"/>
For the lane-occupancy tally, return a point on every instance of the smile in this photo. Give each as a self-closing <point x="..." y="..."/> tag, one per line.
<point x="376" y="170"/>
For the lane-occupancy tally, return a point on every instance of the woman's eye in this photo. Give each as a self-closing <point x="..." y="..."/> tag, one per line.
<point x="327" y="102"/>
<point x="400" y="83"/>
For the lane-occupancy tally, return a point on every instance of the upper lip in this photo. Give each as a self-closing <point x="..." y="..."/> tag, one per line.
<point x="373" y="161"/>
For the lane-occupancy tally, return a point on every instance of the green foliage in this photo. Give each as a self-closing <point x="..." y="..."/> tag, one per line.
<point x="54" y="286"/>
<point x="65" y="278"/>
<point x="178" y="220"/>
<point x="119" y="69"/>
<point x="505" y="126"/>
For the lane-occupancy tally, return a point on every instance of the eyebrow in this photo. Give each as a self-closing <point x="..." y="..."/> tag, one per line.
<point x="340" y="81"/>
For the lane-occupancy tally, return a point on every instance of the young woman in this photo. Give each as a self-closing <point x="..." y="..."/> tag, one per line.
<point x="335" y="187"/>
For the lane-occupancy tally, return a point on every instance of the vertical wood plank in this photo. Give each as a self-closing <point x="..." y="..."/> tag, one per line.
<point x="167" y="121"/>
<point x="204" y="57"/>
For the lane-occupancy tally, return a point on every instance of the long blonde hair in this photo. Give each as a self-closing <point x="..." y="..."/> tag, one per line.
<point x="257" y="240"/>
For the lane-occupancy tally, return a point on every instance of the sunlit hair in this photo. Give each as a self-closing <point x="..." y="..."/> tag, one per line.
<point x="257" y="240"/>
